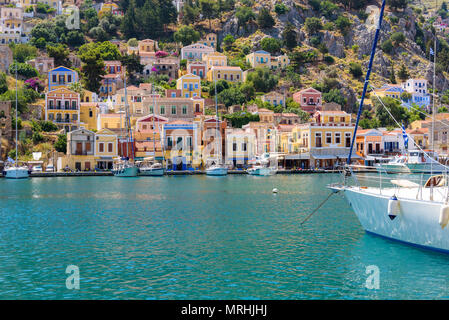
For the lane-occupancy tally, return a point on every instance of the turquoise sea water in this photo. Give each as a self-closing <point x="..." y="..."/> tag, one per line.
<point x="199" y="237"/>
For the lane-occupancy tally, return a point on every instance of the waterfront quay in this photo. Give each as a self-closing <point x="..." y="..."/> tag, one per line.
<point x="167" y="173"/>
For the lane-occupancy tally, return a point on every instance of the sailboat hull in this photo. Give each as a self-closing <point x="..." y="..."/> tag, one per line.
<point x="217" y="171"/>
<point x="261" y="171"/>
<point x="16" y="173"/>
<point x="426" y="168"/>
<point x="417" y="222"/>
<point x="126" y="172"/>
<point x="151" y="172"/>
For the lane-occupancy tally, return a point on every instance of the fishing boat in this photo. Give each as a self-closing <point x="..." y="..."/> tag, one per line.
<point x="412" y="212"/>
<point x="415" y="161"/>
<point x="150" y="168"/>
<point x="262" y="166"/>
<point x="122" y="167"/>
<point x="125" y="166"/>
<point x="217" y="169"/>
<point x="396" y="165"/>
<point x="13" y="170"/>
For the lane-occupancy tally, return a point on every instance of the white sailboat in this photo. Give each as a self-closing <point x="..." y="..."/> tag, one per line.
<point x="150" y="167"/>
<point x="407" y="211"/>
<point x="217" y="169"/>
<point x="262" y="166"/>
<point x="15" y="171"/>
<point x="125" y="167"/>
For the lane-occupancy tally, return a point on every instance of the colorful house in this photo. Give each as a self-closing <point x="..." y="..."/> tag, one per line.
<point x="389" y="90"/>
<point x="111" y="8"/>
<point x="240" y="147"/>
<point x="369" y="142"/>
<point x="147" y="45"/>
<point x="61" y="77"/>
<point x="89" y="115"/>
<point x="197" y="68"/>
<point x="62" y="106"/>
<point x="195" y="51"/>
<point x="215" y="59"/>
<point x="113" y="79"/>
<point x="81" y="150"/>
<point x="181" y="145"/>
<point x="418" y="89"/>
<point x="232" y="74"/>
<point x="106" y="149"/>
<point x="210" y="40"/>
<point x="148" y="136"/>
<point x="259" y="58"/>
<point x="190" y="85"/>
<point x="309" y="99"/>
<point x="275" y="98"/>
<point x="325" y="142"/>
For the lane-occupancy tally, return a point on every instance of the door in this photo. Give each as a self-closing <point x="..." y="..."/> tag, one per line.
<point x="87" y="166"/>
<point x="79" y="148"/>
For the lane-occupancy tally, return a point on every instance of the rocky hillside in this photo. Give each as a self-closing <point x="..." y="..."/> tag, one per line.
<point x="409" y="32"/>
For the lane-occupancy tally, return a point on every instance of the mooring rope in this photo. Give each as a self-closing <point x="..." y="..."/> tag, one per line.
<point x="317" y="208"/>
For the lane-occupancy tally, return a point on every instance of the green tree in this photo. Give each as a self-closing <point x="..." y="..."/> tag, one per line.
<point x="3" y="83"/>
<point x="387" y="46"/>
<point x="397" y="4"/>
<point x="290" y="36"/>
<point x="397" y="38"/>
<point x="264" y="19"/>
<point x="334" y="95"/>
<point x="61" y="143"/>
<point x="355" y="69"/>
<point x="23" y="51"/>
<point x="396" y="109"/>
<point x="129" y="22"/>
<point x="343" y="24"/>
<point x="60" y="53"/>
<point x="403" y="73"/>
<point x="392" y="75"/>
<point x="244" y="16"/>
<point x="262" y="79"/>
<point x="230" y="97"/>
<point x="271" y="45"/>
<point x="209" y="10"/>
<point x="313" y="25"/>
<point x="92" y="67"/>
<point x="23" y="69"/>
<point x="186" y="35"/>
<point x="280" y="8"/>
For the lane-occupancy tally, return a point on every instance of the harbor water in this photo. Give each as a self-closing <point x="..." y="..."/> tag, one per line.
<point x="200" y="237"/>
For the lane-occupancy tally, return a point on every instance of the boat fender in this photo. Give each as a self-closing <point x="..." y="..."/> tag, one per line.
<point x="393" y="207"/>
<point x="275" y="190"/>
<point x="444" y="216"/>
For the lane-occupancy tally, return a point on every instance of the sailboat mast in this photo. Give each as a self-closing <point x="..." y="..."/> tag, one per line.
<point x="368" y="73"/>
<point x="216" y="116"/>
<point x="16" y="116"/>
<point x="126" y="117"/>
<point x="154" y="128"/>
<point x="433" y="94"/>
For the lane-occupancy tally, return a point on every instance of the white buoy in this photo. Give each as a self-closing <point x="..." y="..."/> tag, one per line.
<point x="444" y="216"/>
<point x="393" y="207"/>
<point x="275" y="190"/>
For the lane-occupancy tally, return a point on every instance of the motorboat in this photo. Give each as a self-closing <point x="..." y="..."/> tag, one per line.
<point x="149" y="168"/>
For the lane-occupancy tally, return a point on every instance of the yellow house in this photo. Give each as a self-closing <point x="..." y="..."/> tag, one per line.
<point x="89" y="112"/>
<point x="216" y="59"/>
<point x="259" y="58"/>
<point x="210" y="40"/>
<point x="106" y="149"/>
<point x="81" y="150"/>
<point x="326" y="140"/>
<point x="233" y="74"/>
<point x="190" y="86"/>
<point x="279" y="62"/>
<point x="62" y="106"/>
<point x="88" y="96"/>
<point x="115" y="122"/>
<point x="390" y="90"/>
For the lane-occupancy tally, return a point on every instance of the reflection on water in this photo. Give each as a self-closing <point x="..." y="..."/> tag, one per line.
<point x="195" y="237"/>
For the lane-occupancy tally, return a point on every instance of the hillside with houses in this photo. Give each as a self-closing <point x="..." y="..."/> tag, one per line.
<point x="205" y="81"/>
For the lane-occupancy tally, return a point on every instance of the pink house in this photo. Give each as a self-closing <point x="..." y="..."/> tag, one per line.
<point x="309" y="99"/>
<point x="197" y="68"/>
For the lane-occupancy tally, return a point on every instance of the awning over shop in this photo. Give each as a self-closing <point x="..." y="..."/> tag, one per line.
<point x="331" y="156"/>
<point x="105" y="158"/>
<point x="298" y="156"/>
